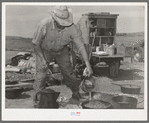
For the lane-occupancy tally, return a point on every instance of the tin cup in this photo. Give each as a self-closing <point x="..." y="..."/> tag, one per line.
<point x="97" y="49"/>
<point x="104" y="48"/>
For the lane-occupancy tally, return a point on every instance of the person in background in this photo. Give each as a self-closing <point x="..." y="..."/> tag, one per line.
<point x="50" y="41"/>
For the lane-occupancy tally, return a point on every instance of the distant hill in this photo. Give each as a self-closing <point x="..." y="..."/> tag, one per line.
<point x="137" y="34"/>
<point x="131" y="34"/>
<point x="17" y="38"/>
<point x="25" y="44"/>
<point x="18" y="43"/>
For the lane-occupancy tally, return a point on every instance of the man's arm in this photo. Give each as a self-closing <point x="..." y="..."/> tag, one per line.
<point x="85" y="56"/>
<point x="86" y="60"/>
<point x="37" y="39"/>
<point x="39" y="36"/>
<point x="39" y="52"/>
<point x="78" y="40"/>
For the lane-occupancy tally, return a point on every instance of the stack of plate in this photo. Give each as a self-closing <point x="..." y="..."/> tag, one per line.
<point x="102" y="53"/>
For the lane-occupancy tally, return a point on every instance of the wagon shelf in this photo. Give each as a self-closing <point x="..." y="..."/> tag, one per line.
<point x="102" y="30"/>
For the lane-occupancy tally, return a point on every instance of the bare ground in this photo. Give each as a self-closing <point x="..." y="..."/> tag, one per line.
<point x="129" y="74"/>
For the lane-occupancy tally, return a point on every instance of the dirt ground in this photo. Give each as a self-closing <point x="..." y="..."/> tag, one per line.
<point x="129" y="74"/>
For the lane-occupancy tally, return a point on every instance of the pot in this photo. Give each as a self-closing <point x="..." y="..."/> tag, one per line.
<point x="129" y="89"/>
<point x="96" y="104"/>
<point x="48" y="99"/>
<point x="125" y="102"/>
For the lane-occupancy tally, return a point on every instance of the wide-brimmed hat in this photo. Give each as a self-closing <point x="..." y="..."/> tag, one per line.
<point x="62" y="15"/>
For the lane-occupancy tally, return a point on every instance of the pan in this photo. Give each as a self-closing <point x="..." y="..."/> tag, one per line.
<point x="93" y="102"/>
<point x="129" y="89"/>
<point x="96" y="104"/>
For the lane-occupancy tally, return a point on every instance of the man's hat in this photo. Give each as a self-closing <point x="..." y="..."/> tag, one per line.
<point x="62" y="15"/>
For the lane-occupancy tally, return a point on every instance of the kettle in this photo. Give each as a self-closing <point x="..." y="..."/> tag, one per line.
<point x="48" y="99"/>
<point x="55" y="68"/>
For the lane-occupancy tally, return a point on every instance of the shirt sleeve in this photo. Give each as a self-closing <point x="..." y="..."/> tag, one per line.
<point x="76" y="35"/>
<point x="40" y="32"/>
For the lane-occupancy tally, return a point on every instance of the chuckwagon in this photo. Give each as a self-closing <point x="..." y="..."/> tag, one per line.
<point x="101" y="31"/>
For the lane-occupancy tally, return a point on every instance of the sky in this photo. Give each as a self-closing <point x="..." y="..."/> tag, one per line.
<point x="21" y="20"/>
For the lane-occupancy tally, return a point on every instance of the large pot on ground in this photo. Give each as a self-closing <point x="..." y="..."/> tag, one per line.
<point x="125" y="102"/>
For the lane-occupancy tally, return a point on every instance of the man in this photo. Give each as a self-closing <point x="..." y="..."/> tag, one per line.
<point x="50" y="42"/>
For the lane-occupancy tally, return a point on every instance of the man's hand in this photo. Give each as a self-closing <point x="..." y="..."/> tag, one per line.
<point x="44" y="65"/>
<point x="88" y="71"/>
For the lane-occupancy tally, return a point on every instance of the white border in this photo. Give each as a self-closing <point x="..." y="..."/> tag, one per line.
<point x="78" y="3"/>
<point x="63" y="114"/>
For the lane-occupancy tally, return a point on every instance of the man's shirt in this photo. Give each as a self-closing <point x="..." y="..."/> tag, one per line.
<point x="48" y="36"/>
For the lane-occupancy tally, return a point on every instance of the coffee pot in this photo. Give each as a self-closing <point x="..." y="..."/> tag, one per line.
<point x="48" y="99"/>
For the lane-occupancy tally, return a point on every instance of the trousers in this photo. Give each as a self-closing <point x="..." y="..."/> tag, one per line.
<point x="63" y="60"/>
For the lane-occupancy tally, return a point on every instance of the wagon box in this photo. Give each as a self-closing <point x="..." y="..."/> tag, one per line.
<point x="101" y="33"/>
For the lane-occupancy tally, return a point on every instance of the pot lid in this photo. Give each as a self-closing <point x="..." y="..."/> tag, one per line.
<point x="48" y="91"/>
<point x="131" y="86"/>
